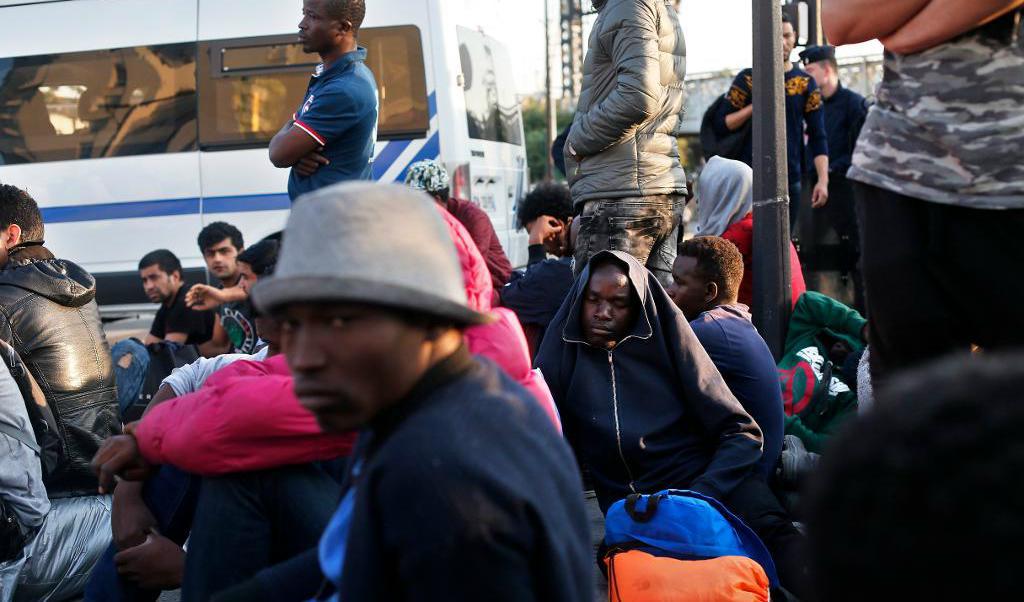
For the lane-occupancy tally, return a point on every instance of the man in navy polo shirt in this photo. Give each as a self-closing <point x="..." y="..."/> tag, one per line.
<point x="331" y="137"/>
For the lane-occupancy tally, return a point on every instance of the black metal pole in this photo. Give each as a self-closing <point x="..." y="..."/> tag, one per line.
<point x="772" y="292"/>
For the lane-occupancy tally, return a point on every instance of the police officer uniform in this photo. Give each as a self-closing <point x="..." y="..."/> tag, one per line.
<point x="845" y="112"/>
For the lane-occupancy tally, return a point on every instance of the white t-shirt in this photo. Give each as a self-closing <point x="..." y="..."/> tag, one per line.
<point x="190" y="378"/>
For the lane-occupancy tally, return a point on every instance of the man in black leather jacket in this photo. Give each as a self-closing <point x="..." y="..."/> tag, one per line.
<point x="48" y="313"/>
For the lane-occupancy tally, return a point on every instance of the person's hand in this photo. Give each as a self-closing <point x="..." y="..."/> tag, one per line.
<point x="157" y="563"/>
<point x="203" y="297"/>
<point x="130" y="518"/>
<point x="545" y="229"/>
<point x="119" y="457"/>
<point x="308" y="164"/>
<point x="820" y="195"/>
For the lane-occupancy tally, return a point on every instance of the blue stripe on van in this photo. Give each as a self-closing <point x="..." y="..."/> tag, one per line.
<point x="102" y="211"/>
<point x="388" y="155"/>
<point x="430" y="150"/>
<point x="252" y="202"/>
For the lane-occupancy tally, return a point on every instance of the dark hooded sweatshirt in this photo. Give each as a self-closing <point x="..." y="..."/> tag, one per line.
<point x="653" y="413"/>
<point x="48" y="313"/>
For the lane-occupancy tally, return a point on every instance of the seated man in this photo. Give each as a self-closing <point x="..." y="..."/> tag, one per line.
<point x="706" y="279"/>
<point x="431" y="177"/>
<point x="47" y="547"/>
<point x="927" y="484"/>
<point x="818" y="369"/>
<point x="162" y="281"/>
<point x="48" y="313"/>
<point x="645" y="408"/>
<point x="379" y="347"/>
<point x="536" y="295"/>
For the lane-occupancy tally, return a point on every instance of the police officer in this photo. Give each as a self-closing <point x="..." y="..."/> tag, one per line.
<point x="845" y="111"/>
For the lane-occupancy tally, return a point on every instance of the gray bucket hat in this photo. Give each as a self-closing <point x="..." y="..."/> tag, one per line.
<point x="377" y="244"/>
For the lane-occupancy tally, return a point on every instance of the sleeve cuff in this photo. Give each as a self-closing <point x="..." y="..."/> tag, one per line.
<point x="537" y="254"/>
<point x="306" y="128"/>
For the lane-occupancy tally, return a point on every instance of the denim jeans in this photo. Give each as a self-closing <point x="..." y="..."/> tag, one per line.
<point x="247" y="522"/>
<point x="131" y="362"/>
<point x="171" y="497"/>
<point x="645" y="227"/>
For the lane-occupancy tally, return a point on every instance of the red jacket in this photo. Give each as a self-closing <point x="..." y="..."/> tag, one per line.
<point x="245" y="418"/>
<point x="476" y="222"/>
<point x="742" y="235"/>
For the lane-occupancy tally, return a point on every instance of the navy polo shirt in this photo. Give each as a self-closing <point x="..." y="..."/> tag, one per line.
<point x="340" y="112"/>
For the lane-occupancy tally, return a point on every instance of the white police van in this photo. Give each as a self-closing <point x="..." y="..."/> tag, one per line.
<point x="134" y="123"/>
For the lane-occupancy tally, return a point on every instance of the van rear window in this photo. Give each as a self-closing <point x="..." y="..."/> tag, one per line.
<point x="492" y="106"/>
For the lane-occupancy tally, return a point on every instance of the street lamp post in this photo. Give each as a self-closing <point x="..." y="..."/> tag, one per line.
<point x="549" y="105"/>
<point x="772" y="292"/>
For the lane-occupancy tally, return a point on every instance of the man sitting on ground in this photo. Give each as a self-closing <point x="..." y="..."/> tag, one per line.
<point x="48" y="313"/>
<point x="161" y="276"/>
<point x="431" y="177"/>
<point x="645" y="408"/>
<point x="221" y="243"/>
<point x="706" y="279"/>
<point x="536" y="295"/>
<point x="920" y="499"/>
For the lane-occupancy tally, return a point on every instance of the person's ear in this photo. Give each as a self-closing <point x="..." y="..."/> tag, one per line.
<point x="710" y="291"/>
<point x="12" y="235"/>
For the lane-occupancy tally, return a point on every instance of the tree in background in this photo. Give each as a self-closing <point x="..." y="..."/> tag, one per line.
<point x="535" y="127"/>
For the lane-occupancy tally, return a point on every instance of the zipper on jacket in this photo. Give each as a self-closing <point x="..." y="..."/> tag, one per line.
<point x="618" y="432"/>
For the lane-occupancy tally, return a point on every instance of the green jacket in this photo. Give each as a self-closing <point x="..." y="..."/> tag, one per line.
<point x="816" y="399"/>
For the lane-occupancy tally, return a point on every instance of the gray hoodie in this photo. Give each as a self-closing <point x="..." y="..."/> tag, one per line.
<point x="21" y="475"/>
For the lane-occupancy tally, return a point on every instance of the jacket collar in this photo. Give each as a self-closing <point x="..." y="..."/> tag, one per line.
<point x="443" y="373"/>
<point x="357" y="55"/>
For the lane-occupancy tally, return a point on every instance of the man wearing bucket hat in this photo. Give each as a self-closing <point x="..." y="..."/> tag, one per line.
<point x="431" y="177"/>
<point x="459" y="488"/>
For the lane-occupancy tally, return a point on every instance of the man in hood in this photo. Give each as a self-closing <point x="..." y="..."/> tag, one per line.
<point x="621" y="157"/>
<point x="48" y="313"/>
<point x="645" y="408"/>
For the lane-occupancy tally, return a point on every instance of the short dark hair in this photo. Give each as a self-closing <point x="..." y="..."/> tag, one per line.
<point x="353" y="11"/>
<point x="218" y="231"/>
<point x="167" y="262"/>
<point x="546" y="198"/>
<point x="444" y="194"/>
<point x="262" y="256"/>
<point x="18" y="207"/>
<point x="787" y="19"/>
<point x="718" y="261"/>
<point x="927" y="481"/>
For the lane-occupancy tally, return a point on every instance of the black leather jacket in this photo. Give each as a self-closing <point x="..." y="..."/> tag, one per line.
<point x="48" y="313"/>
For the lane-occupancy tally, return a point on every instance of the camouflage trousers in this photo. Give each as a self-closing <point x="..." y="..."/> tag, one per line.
<point x="645" y="227"/>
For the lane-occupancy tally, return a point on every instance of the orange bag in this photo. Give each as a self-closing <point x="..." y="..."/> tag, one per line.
<point x="636" y="576"/>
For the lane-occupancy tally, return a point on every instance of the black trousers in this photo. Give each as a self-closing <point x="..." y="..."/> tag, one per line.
<point x="938" y="278"/>
<point x="756" y="504"/>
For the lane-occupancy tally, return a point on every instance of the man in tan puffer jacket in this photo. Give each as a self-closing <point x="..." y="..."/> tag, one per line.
<point x="621" y="155"/>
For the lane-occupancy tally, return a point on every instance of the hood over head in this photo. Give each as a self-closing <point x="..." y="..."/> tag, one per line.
<point x="36" y="270"/>
<point x="725" y="195"/>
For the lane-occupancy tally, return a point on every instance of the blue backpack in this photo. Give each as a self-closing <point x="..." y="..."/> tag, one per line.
<point x="684" y="525"/>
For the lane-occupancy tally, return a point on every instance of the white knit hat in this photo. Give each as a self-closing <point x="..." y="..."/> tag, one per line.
<point x="376" y="244"/>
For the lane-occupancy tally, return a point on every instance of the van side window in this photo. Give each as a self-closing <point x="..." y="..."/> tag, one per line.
<point x="249" y="88"/>
<point x="104" y="103"/>
<point x="492" y="109"/>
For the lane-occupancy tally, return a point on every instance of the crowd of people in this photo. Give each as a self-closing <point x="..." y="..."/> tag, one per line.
<point x="357" y="412"/>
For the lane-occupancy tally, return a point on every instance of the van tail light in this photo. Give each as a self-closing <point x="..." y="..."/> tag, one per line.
<point x="460" y="183"/>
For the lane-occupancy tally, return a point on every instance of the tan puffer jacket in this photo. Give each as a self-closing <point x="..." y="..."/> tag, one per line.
<point x="630" y="105"/>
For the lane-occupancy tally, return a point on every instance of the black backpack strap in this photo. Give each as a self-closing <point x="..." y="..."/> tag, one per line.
<point x="20" y="435"/>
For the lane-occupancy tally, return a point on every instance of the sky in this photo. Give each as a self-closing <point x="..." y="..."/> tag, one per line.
<point x="718" y="36"/>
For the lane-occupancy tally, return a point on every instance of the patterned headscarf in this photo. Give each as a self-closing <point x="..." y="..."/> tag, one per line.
<point x="428" y="175"/>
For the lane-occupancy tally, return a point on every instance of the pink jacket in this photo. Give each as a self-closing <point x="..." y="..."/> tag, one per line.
<point x="245" y="417"/>
<point x="502" y="342"/>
